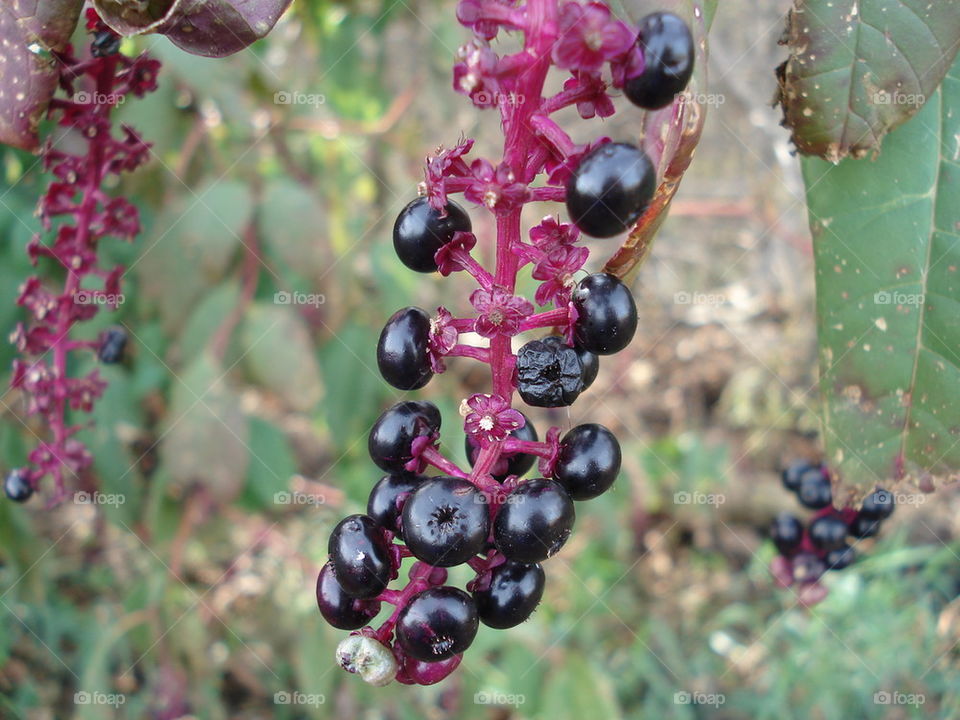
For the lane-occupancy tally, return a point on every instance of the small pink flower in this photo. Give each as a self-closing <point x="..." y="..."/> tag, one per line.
<point x="497" y="189"/>
<point x="560" y="168"/>
<point x="446" y="256"/>
<point x="500" y="312"/>
<point x="551" y="233"/>
<point x="445" y="164"/>
<point x="557" y="269"/>
<point x="489" y="419"/>
<point x="597" y="103"/>
<point x="627" y="66"/>
<point x="486" y="17"/>
<point x="476" y="74"/>
<point x="443" y="337"/>
<point x="589" y="36"/>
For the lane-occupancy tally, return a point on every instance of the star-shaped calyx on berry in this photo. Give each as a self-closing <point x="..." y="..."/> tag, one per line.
<point x="489" y="418"/>
<point x="443" y="337"/>
<point x="500" y="313"/>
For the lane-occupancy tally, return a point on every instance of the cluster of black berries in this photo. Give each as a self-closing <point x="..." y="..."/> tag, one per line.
<point x="807" y="553"/>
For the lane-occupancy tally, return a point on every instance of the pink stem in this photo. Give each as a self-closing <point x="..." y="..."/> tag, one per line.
<point x="434" y="457"/>
<point x="550" y="318"/>
<point x="477" y="353"/>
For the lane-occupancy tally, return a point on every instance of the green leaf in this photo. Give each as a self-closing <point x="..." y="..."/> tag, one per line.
<point x="577" y="689"/>
<point x="296" y="246"/>
<point x="272" y="463"/>
<point x="279" y="354"/>
<point x="859" y="68"/>
<point x="888" y="299"/>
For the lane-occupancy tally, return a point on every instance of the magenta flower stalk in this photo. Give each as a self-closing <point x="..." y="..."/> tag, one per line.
<point x="76" y="215"/>
<point x="490" y="517"/>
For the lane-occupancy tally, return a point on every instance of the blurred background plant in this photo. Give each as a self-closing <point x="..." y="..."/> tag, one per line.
<point x="233" y="437"/>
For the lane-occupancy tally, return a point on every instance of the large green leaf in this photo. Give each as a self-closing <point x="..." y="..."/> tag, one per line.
<point x="859" y="68"/>
<point x="888" y="293"/>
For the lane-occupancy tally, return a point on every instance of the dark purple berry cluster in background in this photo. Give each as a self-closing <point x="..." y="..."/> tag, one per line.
<point x="806" y="553"/>
<point x="491" y="518"/>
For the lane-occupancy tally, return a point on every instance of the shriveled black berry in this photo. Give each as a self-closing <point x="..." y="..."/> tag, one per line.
<point x="668" y="54"/>
<point x="420" y="231"/>
<point x="445" y="521"/>
<point x="390" y="439"/>
<point x="17" y="485"/>
<point x="509" y="463"/>
<point x="438" y="623"/>
<point x="589" y="361"/>
<point x="388" y="496"/>
<point x="814" y="490"/>
<point x="338" y="608"/>
<point x="840" y="558"/>
<point x="104" y="44"/>
<point x="360" y="556"/>
<point x="828" y="532"/>
<point x="588" y="462"/>
<point x="510" y="595"/>
<point x="402" y="352"/>
<point x="548" y="374"/>
<point x="878" y="505"/>
<point x="786" y="531"/>
<point x="113" y="343"/>
<point x="864" y="527"/>
<point x="607" y="314"/>
<point x="808" y="568"/>
<point x="610" y="189"/>
<point x="534" y="522"/>
<point x="790" y="476"/>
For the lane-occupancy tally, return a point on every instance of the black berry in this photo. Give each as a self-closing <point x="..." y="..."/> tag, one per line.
<point x="814" y="490"/>
<point x="589" y="362"/>
<point x="113" y="342"/>
<point x="549" y="374"/>
<point x="509" y="463"/>
<point x="610" y="189"/>
<point x="840" y="558"/>
<point x="438" y="623"/>
<point x="589" y="461"/>
<point x="786" y="531"/>
<point x="390" y="439"/>
<point x="828" y="532"/>
<point x="864" y="527"/>
<point x="607" y="314"/>
<point x="420" y="231"/>
<point x="338" y="608"/>
<point x="402" y="354"/>
<point x="445" y="521"/>
<point x="509" y="595"/>
<point x="17" y="485"/>
<point x="878" y="505"/>
<point x="105" y="43"/>
<point x="534" y="522"/>
<point x="360" y="556"/>
<point x="388" y="497"/>
<point x="793" y="472"/>
<point x="668" y="53"/>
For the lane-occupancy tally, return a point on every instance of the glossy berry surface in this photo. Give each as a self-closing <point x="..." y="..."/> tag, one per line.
<point x="549" y="374"/>
<point x="391" y="436"/>
<point x="437" y="624"/>
<point x="534" y="522"/>
<point x="338" y="608"/>
<point x="864" y="527"/>
<point x="793" y="472"/>
<point x="828" y="532"/>
<point x="607" y="314"/>
<point x="445" y="521"/>
<point x="508" y="463"/>
<point x="113" y="343"/>
<point x="420" y="231"/>
<point x="814" y="490"/>
<point x="17" y="485"/>
<point x="589" y="461"/>
<point x="786" y="531"/>
<point x="610" y="189"/>
<point x="402" y="354"/>
<point x="878" y="505"/>
<point x="510" y="595"/>
<point x="360" y="556"/>
<point x="388" y="496"/>
<point x="840" y="558"/>
<point x="590" y="363"/>
<point x="668" y="53"/>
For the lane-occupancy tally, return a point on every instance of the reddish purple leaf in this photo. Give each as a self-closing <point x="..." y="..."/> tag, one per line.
<point x="214" y="28"/>
<point x="29" y="29"/>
